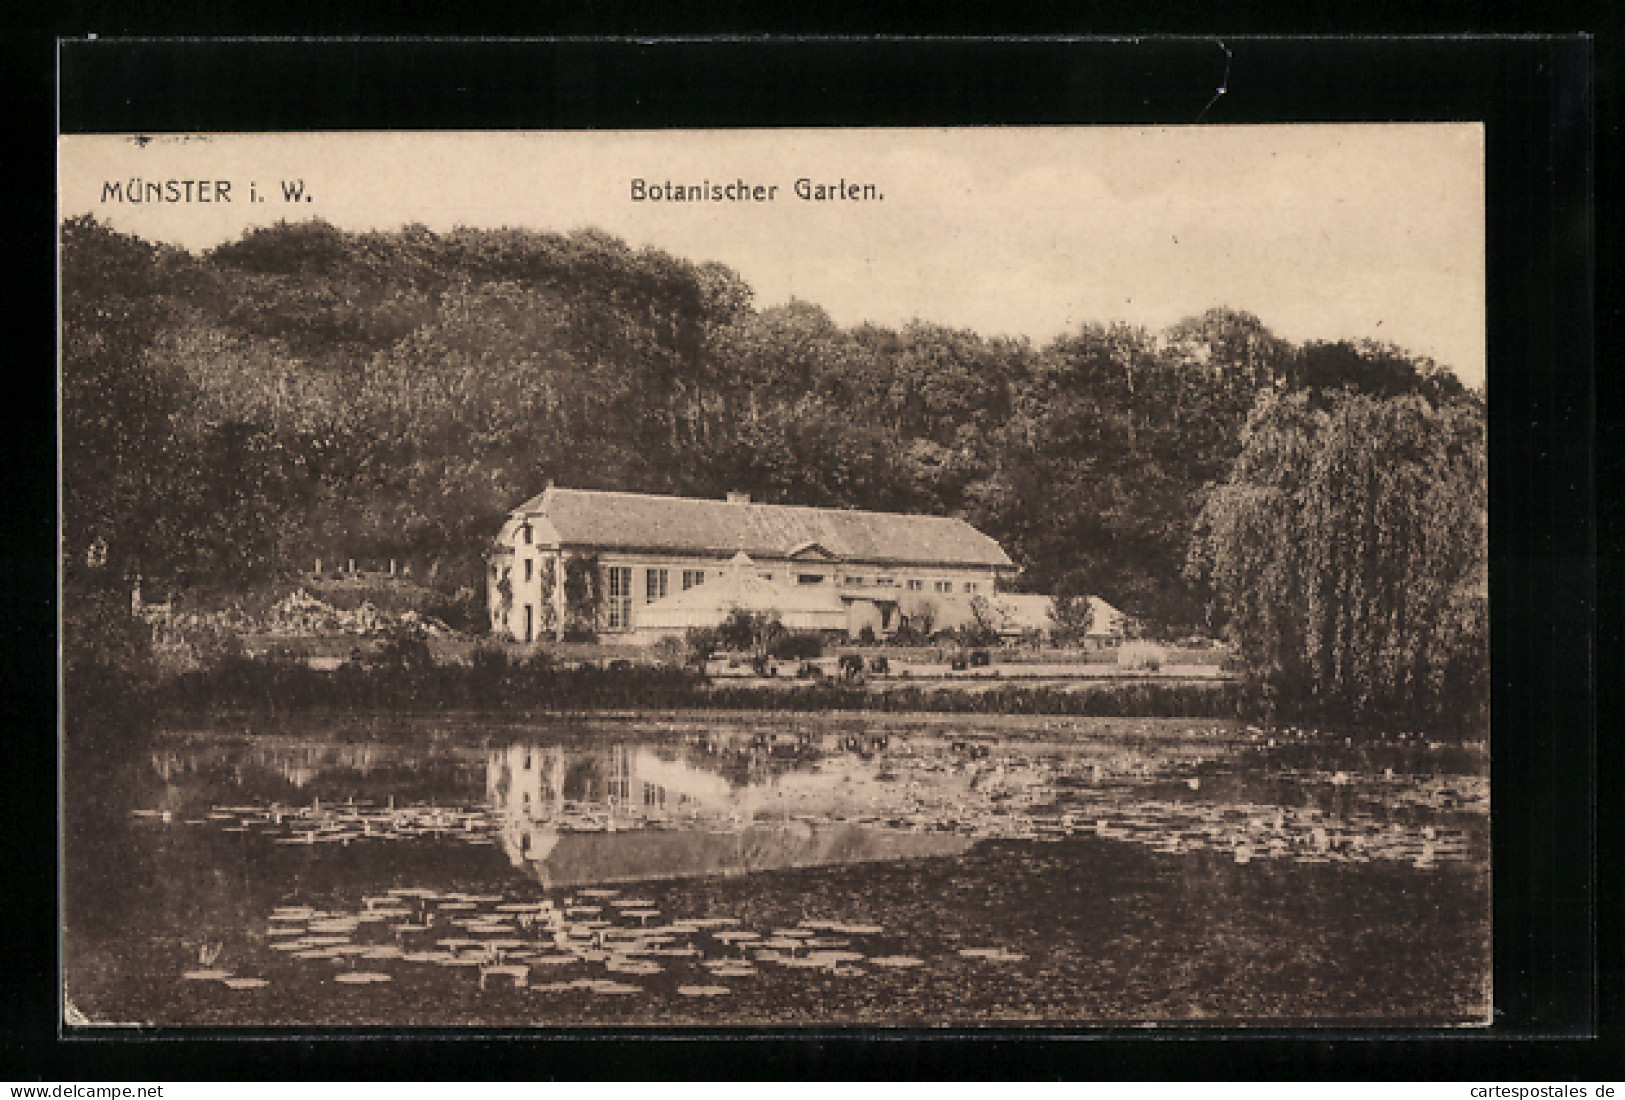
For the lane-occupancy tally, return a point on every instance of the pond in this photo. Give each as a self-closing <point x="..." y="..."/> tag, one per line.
<point x="780" y="870"/>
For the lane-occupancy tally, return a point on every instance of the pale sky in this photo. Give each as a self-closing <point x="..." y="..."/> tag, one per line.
<point x="1324" y="232"/>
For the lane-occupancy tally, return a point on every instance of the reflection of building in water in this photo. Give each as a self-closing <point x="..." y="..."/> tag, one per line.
<point x="545" y="797"/>
<point x="529" y="781"/>
<point x="523" y="779"/>
<point x="573" y="816"/>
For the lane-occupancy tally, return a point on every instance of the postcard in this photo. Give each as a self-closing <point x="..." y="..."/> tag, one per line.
<point x="955" y="577"/>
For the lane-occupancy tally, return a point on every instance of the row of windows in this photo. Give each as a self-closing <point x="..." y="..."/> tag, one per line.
<point x="657" y="581"/>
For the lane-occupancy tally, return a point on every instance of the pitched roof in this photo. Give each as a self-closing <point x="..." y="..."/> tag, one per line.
<point x="583" y="517"/>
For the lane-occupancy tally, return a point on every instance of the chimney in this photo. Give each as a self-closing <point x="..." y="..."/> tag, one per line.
<point x="738" y="498"/>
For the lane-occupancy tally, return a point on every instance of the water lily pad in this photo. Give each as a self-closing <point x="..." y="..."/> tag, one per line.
<point x="361" y="977"/>
<point x="206" y="975"/>
<point x="739" y="970"/>
<point x="980" y="952"/>
<point x="633" y="966"/>
<point x="246" y="983"/>
<point x="897" y="962"/>
<point x="552" y="960"/>
<point x="518" y="972"/>
<point x="703" y="990"/>
<point x="832" y="958"/>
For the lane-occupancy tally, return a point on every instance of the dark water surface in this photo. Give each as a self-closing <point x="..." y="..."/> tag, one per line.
<point x="783" y="869"/>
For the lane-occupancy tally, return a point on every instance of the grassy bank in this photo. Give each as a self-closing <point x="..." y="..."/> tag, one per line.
<point x="285" y="687"/>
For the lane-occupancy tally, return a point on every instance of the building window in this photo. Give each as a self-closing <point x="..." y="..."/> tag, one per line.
<point x="766" y="576"/>
<point x="916" y="585"/>
<point x="528" y="567"/>
<point x="810" y="578"/>
<point x="853" y="582"/>
<point x="692" y="577"/>
<point x="655" y="581"/>
<point x="943" y="586"/>
<point x="886" y="582"/>
<point x="526" y="530"/>
<point x="530" y="624"/>
<point x="970" y="586"/>
<point x="618" y="584"/>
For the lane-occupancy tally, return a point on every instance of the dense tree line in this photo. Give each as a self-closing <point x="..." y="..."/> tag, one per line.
<point x="307" y="392"/>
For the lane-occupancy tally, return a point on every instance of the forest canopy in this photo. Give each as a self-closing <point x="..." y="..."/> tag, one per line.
<point x="306" y="392"/>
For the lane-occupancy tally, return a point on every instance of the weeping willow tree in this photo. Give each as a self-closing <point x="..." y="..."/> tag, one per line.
<point x="1346" y="557"/>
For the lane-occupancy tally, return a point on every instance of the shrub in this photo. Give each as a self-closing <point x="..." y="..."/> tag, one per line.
<point x="670" y="652"/>
<point x="975" y="635"/>
<point x="406" y="648"/>
<point x="797" y="645"/>
<point x="489" y="661"/>
<point x="539" y="661"/>
<point x="909" y="633"/>
<point x="701" y="642"/>
<point x="866" y="636"/>
<point x="747" y="632"/>
<point x="1141" y="656"/>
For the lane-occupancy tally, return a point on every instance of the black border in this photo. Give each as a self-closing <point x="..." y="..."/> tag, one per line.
<point x="1535" y="97"/>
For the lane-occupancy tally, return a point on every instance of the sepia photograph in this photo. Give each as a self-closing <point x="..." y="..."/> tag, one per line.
<point x="1024" y="576"/>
